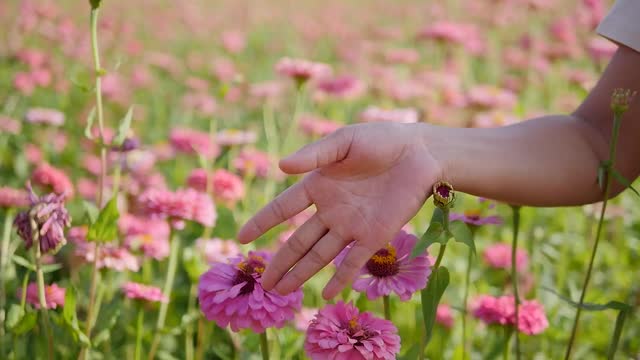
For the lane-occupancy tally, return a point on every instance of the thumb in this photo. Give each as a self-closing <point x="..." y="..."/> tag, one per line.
<point x="326" y="151"/>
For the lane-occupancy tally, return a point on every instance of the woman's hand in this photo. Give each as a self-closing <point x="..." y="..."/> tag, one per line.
<point x="366" y="181"/>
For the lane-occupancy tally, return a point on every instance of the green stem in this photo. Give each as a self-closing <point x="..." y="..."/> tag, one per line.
<point x="139" y="329"/>
<point x="465" y="301"/>
<point x="41" y="292"/>
<point x="387" y="307"/>
<point x="168" y="286"/>
<point x="507" y="337"/>
<point x="188" y="338"/>
<point x="4" y="259"/>
<point x="264" y="345"/>
<point x="607" y="190"/>
<point x="514" y="275"/>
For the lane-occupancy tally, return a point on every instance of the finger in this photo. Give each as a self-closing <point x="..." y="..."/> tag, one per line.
<point x="293" y="250"/>
<point x="322" y="253"/>
<point x="355" y="259"/>
<point x="326" y="151"/>
<point x="287" y="204"/>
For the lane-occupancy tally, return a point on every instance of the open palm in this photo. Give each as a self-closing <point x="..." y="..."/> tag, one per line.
<point x="366" y="182"/>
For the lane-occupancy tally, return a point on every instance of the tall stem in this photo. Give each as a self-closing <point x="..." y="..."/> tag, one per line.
<point x="41" y="293"/>
<point x="139" y="330"/>
<point x="514" y="276"/>
<point x="4" y="259"/>
<point x="387" y="307"/>
<point x="609" y="167"/>
<point x="443" y="247"/>
<point x="264" y="345"/>
<point x="188" y="338"/>
<point x="465" y="300"/>
<point x="166" y="292"/>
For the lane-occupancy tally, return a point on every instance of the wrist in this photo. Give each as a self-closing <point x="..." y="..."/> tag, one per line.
<point x="440" y="146"/>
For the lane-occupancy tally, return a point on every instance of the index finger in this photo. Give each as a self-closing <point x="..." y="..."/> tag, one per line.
<point x="289" y="203"/>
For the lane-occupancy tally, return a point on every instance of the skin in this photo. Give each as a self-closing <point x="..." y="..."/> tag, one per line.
<point x="368" y="180"/>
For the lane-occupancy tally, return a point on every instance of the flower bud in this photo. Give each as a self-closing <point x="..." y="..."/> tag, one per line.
<point x="620" y="100"/>
<point x="443" y="195"/>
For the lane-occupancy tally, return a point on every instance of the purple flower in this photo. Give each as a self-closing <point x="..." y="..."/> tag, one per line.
<point x="232" y="294"/>
<point x="392" y="270"/>
<point x="49" y="217"/>
<point x="341" y="331"/>
<point x="475" y="218"/>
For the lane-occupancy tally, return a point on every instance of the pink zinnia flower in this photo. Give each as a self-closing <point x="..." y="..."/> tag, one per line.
<point x="13" y="198"/>
<point x="201" y="103"/>
<point x="187" y="204"/>
<point x="341" y="331"/>
<point x="317" y="126"/>
<point x="9" y="125"/>
<point x="227" y="187"/>
<point x="531" y="318"/>
<point x="151" y="236"/>
<point x="498" y="256"/>
<point x="251" y="161"/>
<point x="45" y="116"/>
<point x="49" y="176"/>
<point x="392" y="270"/>
<point x="302" y="70"/>
<point x="232" y="294"/>
<point x="345" y="86"/>
<point x="466" y="35"/>
<point x="217" y="250"/>
<point x="53" y="295"/>
<point x="474" y="217"/>
<point x="444" y="316"/>
<point x="111" y="256"/>
<point x="501" y="310"/>
<point x="190" y="141"/>
<point x="400" y="115"/>
<point x="234" y="41"/>
<point x="487" y="96"/>
<point x="138" y="291"/>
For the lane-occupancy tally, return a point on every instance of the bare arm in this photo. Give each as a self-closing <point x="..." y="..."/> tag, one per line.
<point x="549" y="161"/>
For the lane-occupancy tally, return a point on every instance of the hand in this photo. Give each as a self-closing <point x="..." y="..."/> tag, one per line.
<point x="366" y="181"/>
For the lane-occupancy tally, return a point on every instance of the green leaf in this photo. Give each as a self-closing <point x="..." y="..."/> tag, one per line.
<point x="438" y="216"/>
<point x="226" y="226"/>
<point x="69" y="309"/>
<point x="48" y="268"/>
<point x="617" y="332"/>
<point x="433" y="234"/>
<point x="23" y="262"/>
<point x="15" y="314"/>
<point x="26" y="323"/>
<point x="91" y="211"/>
<point x="412" y="354"/>
<point x="106" y="226"/>
<point x="90" y="118"/>
<point x="622" y="180"/>
<point x="611" y="305"/>
<point x="430" y="296"/>
<point x="461" y="233"/>
<point x="123" y="128"/>
<point x="101" y="337"/>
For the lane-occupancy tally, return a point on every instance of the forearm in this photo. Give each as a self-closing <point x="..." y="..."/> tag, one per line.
<point x="549" y="161"/>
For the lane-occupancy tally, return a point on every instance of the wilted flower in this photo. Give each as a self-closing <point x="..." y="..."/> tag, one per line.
<point x="391" y="270"/>
<point x="217" y="250"/>
<point x="341" y="331"/>
<point x="187" y="204"/>
<point x="48" y="176"/>
<point x="136" y="291"/>
<point x="498" y="256"/>
<point x="443" y="194"/>
<point x="13" y="198"/>
<point x="48" y="216"/>
<point x="232" y="294"/>
<point x="45" y="116"/>
<point x="53" y="294"/>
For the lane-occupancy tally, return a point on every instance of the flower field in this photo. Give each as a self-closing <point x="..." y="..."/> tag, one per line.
<point x="137" y="138"/>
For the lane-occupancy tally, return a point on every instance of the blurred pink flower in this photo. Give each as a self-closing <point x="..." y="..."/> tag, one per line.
<point x="232" y="294"/>
<point x="149" y="235"/>
<point x="501" y="310"/>
<point x="53" y="294"/>
<point x="341" y="331"/>
<point x="13" y="198"/>
<point x="9" y="125"/>
<point x="498" y="256"/>
<point x="184" y="204"/>
<point x="34" y="58"/>
<point x="402" y="56"/>
<point x="217" y="250"/>
<point x="227" y="187"/>
<point x="463" y="34"/>
<point x="487" y="96"/>
<point x="197" y="84"/>
<point x="251" y="161"/>
<point x="267" y="90"/>
<point x="111" y="256"/>
<point x="392" y="270"/>
<point x="24" y="83"/>
<point x="48" y="176"/>
<point x="601" y="49"/>
<point x="224" y="69"/>
<point x="492" y="119"/>
<point x="302" y="70"/>
<point x="46" y="116"/>
<point x="303" y="318"/>
<point x="234" y="41"/>
<point x="444" y="316"/>
<point x="190" y="141"/>
<point x="201" y="103"/>
<point x="317" y="126"/>
<point x="475" y="218"/>
<point x="345" y="86"/>
<point x="137" y="291"/>
<point x="399" y="115"/>
<point x="532" y="319"/>
<point x="229" y="137"/>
